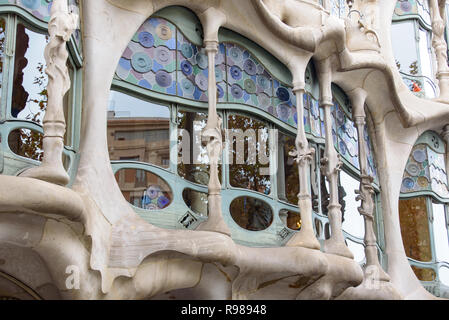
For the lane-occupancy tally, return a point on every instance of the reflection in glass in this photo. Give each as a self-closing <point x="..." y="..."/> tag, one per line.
<point x="404" y="45"/>
<point x="424" y="274"/>
<point x="2" y="49"/>
<point x="29" y="96"/>
<point x="440" y="232"/>
<point x="289" y="187"/>
<point x="318" y="228"/>
<point x="26" y="143"/>
<point x="138" y="130"/>
<point x="353" y="222"/>
<point x="357" y="249"/>
<point x="251" y="213"/>
<point x="144" y="189"/>
<point x="248" y="154"/>
<point x="192" y="153"/>
<point x="415" y="228"/>
<point x="291" y="219"/>
<point x="444" y="275"/>
<point x="196" y="201"/>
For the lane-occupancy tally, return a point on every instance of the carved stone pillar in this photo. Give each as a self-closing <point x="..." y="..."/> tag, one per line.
<point x="212" y="132"/>
<point x="438" y="16"/>
<point x="366" y="191"/>
<point x="304" y="155"/>
<point x="60" y="28"/>
<point x="330" y="166"/>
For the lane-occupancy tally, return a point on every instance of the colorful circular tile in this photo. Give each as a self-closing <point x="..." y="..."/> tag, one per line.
<point x="283" y="112"/>
<point x="413" y="169"/>
<point x="187" y="86"/>
<point x="235" y="54"/>
<point x="163" y="78"/>
<point x="163" y="32"/>
<point x="220" y="91"/>
<point x="186" y="50"/>
<point x="283" y="94"/>
<point x="163" y="55"/>
<point x="186" y="67"/>
<point x="235" y="72"/>
<point x="141" y="62"/>
<point x="201" y="60"/>
<point x="146" y="39"/>
<point x="263" y="82"/>
<point x="250" y="67"/>
<point x="264" y="100"/>
<point x="236" y="91"/>
<point x="406" y="6"/>
<point x="408" y="183"/>
<point x="422" y="182"/>
<point x="201" y="81"/>
<point x="249" y="86"/>
<point x="419" y="155"/>
<point x="343" y="148"/>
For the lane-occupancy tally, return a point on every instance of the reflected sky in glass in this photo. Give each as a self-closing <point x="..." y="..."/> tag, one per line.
<point x="404" y="44"/>
<point x="126" y="106"/>
<point x="354" y="223"/>
<point x="440" y="233"/>
<point x="35" y="57"/>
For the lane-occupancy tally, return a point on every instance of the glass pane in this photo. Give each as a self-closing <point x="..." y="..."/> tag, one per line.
<point x="404" y="46"/>
<point x="415" y="228"/>
<point x="196" y="201"/>
<point x="138" y="130"/>
<point x="193" y="160"/>
<point x="251" y="213"/>
<point x="353" y="222"/>
<point x="292" y="219"/>
<point x="444" y="275"/>
<point x="29" y="96"/>
<point x="248" y="154"/>
<point x="426" y="61"/>
<point x="440" y="232"/>
<point x="424" y="274"/>
<point x="144" y="189"/>
<point x="290" y="190"/>
<point x="26" y="143"/>
<point x="357" y="249"/>
<point x="2" y="49"/>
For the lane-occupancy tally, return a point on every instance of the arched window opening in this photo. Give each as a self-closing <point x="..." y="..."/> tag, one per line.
<point x="423" y="212"/>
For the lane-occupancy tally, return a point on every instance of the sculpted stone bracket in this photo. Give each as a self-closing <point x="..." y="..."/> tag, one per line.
<point x="61" y="26"/>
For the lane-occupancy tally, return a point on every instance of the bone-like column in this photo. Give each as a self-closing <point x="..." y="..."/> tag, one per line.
<point x="331" y="165"/>
<point x="366" y="191"/>
<point x="304" y="155"/>
<point x="60" y="28"/>
<point x="212" y="132"/>
<point x="438" y="17"/>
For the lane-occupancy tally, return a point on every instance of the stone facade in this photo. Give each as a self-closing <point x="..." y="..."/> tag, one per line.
<point x="67" y="228"/>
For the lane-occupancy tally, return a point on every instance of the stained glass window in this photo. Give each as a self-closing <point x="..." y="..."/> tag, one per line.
<point x="425" y="169"/>
<point x="38" y="8"/>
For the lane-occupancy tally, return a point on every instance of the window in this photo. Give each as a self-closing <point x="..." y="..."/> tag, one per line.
<point x="411" y="35"/>
<point x="24" y="99"/>
<point x="423" y="212"/>
<point x="259" y="177"/>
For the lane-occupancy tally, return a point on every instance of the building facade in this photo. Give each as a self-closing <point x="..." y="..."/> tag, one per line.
<point x="257" y="149"/>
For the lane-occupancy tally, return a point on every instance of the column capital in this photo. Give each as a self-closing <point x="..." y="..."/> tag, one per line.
<point x="298" y="86"/>
<point x="211" y="46"/>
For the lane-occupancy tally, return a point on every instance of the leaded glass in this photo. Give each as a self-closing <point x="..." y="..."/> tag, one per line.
<point x="347" y="144"/>
<point x="425" y="171"/>
<point x="248" y="80"/>
<point x="38" y="8"/>
<point x="192" y="70"/>
<point x="149" y="60"/>
<point x="284" y="106"/>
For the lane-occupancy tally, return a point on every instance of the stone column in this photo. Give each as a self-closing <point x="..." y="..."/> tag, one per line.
<point x="438" y="16"/>
<point x="212" y="132"/>
<point x="366" y="191"/>
<point x="331" y="165"/>
<point x="304" y="155"/>
<point x="60" y="28"/>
